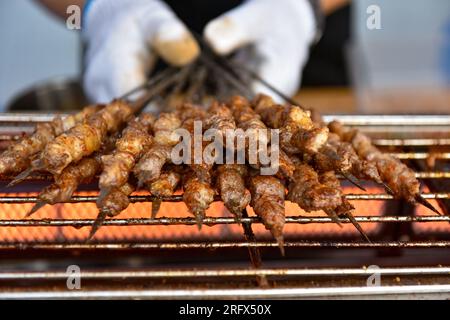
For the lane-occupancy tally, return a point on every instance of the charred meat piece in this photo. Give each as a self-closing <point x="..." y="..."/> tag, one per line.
<point x="311" y="195"/>
<point x="135" y="141"/>
<point x="116" y="201"/>
<point x="164" y="186"/>
<point x="396" y="175"/>
<point x="18" y="156"/>
<point x="85" y="138"/>
<point x="149" y="167"/>
<point x="298" y="133"/>
<point x="268" y="195"/>
<point x="345" y="209"/>
<point x="230" y="182"/>
<point x="198" y="195"/>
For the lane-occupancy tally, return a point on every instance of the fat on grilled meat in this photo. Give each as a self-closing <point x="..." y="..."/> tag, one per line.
<point x="85" y="138"/>
<point x="18" y="156"/>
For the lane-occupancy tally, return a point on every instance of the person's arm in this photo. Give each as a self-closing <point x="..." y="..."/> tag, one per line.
<point x="59" y="7"/>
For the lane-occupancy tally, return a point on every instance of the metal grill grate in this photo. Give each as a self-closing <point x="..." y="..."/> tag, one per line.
<point x="410" y="138"/>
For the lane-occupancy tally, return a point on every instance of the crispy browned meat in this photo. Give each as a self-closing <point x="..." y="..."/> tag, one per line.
<point x="68" y="181"/>
<point x="268" y="194"/>
<point x="198" y="195"/>
<point x="346" y="208"/>
<point x="347" y="161"/>
<point x="148" y="169"/>
<point x="298" y="133"/>
<point x="85" y="138"/>
<point x="18" y="156"/>
<point x="286" y="166"/>
<point x="396" y="175"/>
<point x="220" y="118"/>
<point x="311" y="195"/>
<point x="248" y="120"/>
<point x="198" y="192"/>
<point x="230" y="183"/>
<point x="135" y="141"/>
<point x="167" y="183"/>
<point x="116" y="201"/>
<point x="329" y="179"/>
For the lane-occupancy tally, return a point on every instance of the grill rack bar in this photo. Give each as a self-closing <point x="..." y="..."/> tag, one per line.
<point x="207" y="273"/>
<point x="210" y="221"/>
<point x="179" y="198"/>
<point x="443" y="244"/>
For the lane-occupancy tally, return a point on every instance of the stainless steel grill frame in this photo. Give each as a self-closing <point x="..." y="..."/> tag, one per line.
<point x="390" y="132"/>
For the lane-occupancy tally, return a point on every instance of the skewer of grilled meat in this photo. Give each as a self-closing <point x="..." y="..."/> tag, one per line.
<point x="309" y="193"/>
<point x="400" y="179"/>
<point x="340" y="156"/>
<point x="81" y="141"/>
<point x="135" y="141"/>
<point x="111" y="205"/>
<point x="230" y="182"/>
<point x="149" y="167"/>
<point x="298" y="133"/>
<point x="268" y="202"/>
<point x="220" y="118"/>
<point x="164" y="186"/>
<point x="248" y="120"/>
<point x="198" y="192"/>
<point x="67" y="182"/>
<point x="18" y="156"/>
<point x="345" y="209"/>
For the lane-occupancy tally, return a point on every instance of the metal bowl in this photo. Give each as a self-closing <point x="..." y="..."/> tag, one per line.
<point x="59" y="94"/>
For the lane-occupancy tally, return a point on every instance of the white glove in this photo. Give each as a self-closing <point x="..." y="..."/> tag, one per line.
<point x="124" y="38"/>
<point x="281" y="32"/>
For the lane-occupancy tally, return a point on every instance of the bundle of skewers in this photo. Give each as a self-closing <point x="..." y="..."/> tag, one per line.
<point x="129" y="151"/>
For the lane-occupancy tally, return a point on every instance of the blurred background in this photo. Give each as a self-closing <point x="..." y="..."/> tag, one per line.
<point x="404" y="67"/>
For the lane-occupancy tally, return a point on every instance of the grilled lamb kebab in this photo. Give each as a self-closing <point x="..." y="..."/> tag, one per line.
<point x="81" y="141"/>
<point x="230" y="182"/>
<point x="18" y="156"/>
<point x="197" y="182"/>
<point x="198" y="194"/>
<point x="310" y="194"/>
<point x="345" y="209"/>
<point x="400" y="179"/>
<point x="111" y="205"/>
<point x="298" y="133"/>
<point x="250" y="122"/>
<point x="71" y="177"/>
<point x="164" y="186"/>
<point x="268" y="202"/>
<point x="135" y="141"/>
<point x="148" y="169"/>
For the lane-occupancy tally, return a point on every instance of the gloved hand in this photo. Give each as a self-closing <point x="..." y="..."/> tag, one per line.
<point x="124" y="38"/>
<point x="281" y="32"/>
